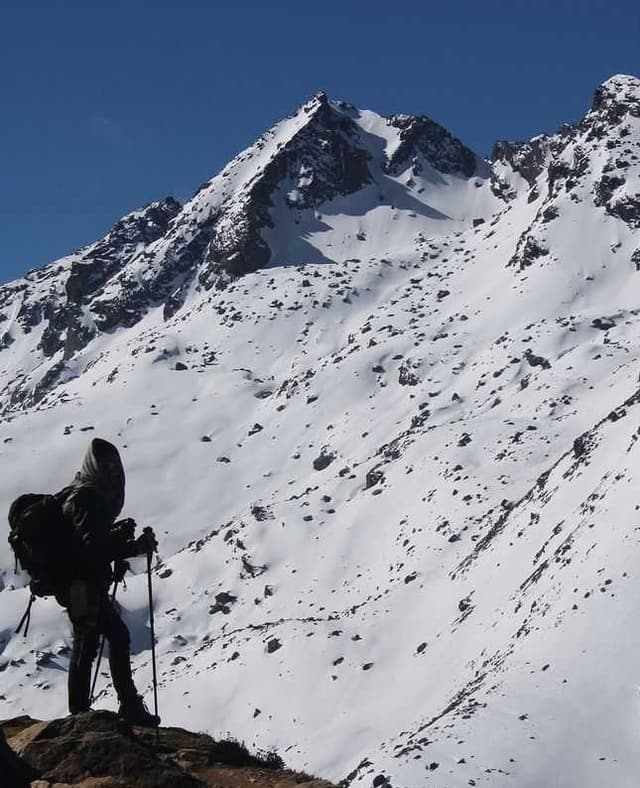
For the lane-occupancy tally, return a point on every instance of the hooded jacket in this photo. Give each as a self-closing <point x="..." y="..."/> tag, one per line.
<point x="92" y="502"/>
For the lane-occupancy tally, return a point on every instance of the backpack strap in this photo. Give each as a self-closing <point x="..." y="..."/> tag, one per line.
<point x="26" y="618"/>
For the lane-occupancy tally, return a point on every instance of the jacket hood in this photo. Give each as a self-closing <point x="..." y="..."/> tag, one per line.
<point x="102" y="470"/>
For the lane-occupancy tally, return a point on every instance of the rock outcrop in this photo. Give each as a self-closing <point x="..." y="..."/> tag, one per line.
<point x="98" y="750"/>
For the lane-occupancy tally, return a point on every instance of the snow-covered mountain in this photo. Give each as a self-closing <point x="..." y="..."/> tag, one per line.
<point x="379" y="398"/>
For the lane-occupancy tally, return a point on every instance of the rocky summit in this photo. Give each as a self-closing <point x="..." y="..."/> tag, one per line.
<point x="97" y="750"/>
<point x="379" y="399"/>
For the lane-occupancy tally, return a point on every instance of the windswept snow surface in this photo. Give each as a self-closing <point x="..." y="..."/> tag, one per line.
<point x="395" y="487"/>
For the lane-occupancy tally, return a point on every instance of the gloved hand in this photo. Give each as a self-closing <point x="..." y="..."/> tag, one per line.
<point x="146" y="543"/>
<point x="126" y="528"/>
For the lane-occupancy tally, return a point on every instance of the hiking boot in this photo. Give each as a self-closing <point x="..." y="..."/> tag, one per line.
<point x="136" y="713"/>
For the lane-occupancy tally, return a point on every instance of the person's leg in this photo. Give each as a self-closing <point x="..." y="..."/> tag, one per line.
<point x="84" y="620"/>
<point x="116" y="632"/>
<point x="85" y="648"/>
<point x="131" y="705"/>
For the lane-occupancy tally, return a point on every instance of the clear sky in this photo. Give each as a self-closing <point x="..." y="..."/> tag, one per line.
<point x="107" y="105"/>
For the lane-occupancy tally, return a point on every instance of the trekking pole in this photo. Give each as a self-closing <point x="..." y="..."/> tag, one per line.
<point x="95" y="675"/>
<point x="153" y="645"/>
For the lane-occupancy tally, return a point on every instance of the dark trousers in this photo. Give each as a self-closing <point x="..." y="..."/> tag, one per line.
<point x="93" y="614"/>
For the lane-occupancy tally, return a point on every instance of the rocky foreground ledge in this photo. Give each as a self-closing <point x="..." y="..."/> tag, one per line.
<point x="96" y="750"/>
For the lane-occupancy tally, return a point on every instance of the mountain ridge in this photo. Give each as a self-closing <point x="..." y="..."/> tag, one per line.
<point x="392" y="472"/>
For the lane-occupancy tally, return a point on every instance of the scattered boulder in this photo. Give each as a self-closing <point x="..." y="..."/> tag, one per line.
<point x="465" y="604"/>
<point x="273" y="645"/>
<point x="603" y="323"/>
<point x="536" y="361"/>
<point x="373" y="477"/>
<point x="261" y="513"/>
<point x="324" y="459"/>
<point x="406" y="375"/>
<point x="223" y="603"/>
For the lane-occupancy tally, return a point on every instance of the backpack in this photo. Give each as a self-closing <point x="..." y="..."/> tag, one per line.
<point x="42" y="540"/>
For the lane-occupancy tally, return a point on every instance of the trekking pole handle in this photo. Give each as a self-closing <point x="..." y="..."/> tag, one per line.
<point x="153" y="544"/>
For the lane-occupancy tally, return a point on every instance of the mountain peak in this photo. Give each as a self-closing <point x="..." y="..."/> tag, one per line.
<point x="393" y="467"/>
<point x="618" y="95"/>
<point x="620" y="83"/>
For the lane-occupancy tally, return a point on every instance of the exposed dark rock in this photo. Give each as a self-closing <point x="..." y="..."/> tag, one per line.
<point x="525" y="158"/>
<point x="422" y="138"/>
<point x="66" y="306"/>
<point x="464" y="604"/>
<point x="50" y="378"/>
<point x="324" y="459"/>
<point x="223" y="603"/>
<point x="406" y="375"/>
<point x="557" y="171"/>
<point x="327" y="150"/>
<point x="261" y="513"/>
<point x="626" y="208"/>
<point x="98" y="749"/>
<point x="612" y="101"/>
<point x="29" y="315"/>
<point x="273" y="644"/>
<point x="536" y="361"/>
<point x="528" y="250"/>
<point x="605" y="188"/>
<point x="421" y="418"/>
<point x="139" y="228"/>
<point x="603" y="323"/>
<point x="251" y="570"/>
<point x="373" y="477"/>
<point x="96" y="745"/>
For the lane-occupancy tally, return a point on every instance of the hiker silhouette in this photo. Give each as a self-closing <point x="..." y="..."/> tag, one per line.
<point x="91" y="504"/>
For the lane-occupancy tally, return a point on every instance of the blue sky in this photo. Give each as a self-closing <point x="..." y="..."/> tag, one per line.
<point x="109" y="105"/>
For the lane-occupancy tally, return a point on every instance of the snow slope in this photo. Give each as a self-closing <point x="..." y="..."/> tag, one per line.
<point x="390" y="458"/>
